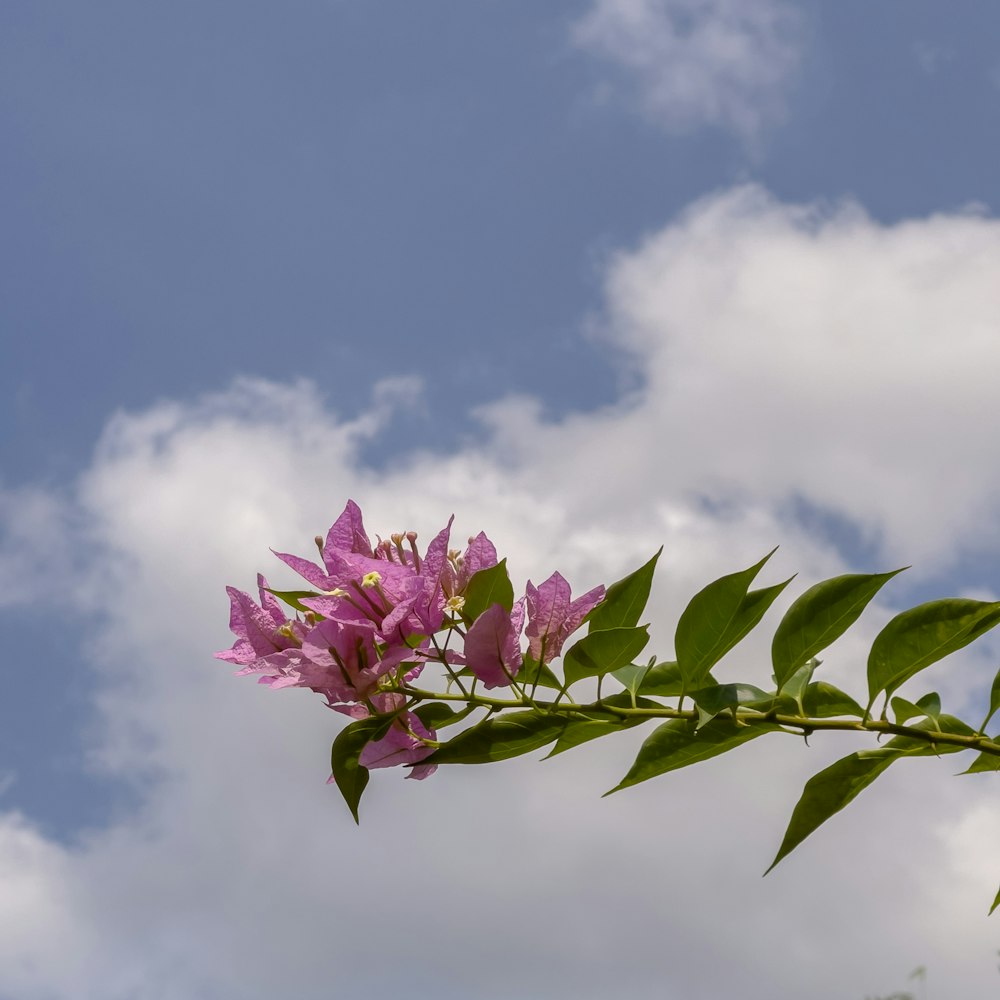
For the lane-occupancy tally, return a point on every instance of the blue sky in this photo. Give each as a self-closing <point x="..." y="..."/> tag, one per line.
<point x="751" y="244"/>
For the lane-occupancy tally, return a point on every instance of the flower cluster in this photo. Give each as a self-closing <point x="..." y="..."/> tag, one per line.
<point x="377" y="614"/>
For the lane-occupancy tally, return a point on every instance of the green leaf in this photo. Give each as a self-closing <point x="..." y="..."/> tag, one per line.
<point x="710" y="701"/>
<point x="904" y="710"/>
<point x="996" y="903"/>
<point x="603" y="652"/>
<point x="663" y="679"/>
<point x="983" y="762"/>
<point x="632" y="676"/>
<point x="499" y="738"/>
<point x="824" y="701"/>
<point x="677" y="744"/>
<point x="625" y="600"/>
<point x="717" y="618"/>
<point x="293" y="598"/>
<point x="796" y="686"/>
<point x="834" y="787"/>
<point x="534" y="674"/>
<point x="930" y="705"/>
<point x="438" y="715"/>
<point x="829" y="791"/>
<point x="821" y="615"/>
<point x="350" y="776"/>
<point x="994" y="702"/>
<point x="582" y="730"/>
<point x="923" y="635"/>
<point x="922" y="748"/>
<point x="488" y="587"/>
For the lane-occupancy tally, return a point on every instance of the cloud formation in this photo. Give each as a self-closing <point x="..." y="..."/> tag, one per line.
<point x="785" y="352"/>
<point x="690" y="63"/>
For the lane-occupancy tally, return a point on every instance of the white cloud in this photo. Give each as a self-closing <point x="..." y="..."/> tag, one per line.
<point x="931" y="57"/>
<point x="783" y="350"/>
<point x="700" y="62"/>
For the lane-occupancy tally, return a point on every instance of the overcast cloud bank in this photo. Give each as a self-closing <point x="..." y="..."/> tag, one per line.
<point x="785" y="352"/>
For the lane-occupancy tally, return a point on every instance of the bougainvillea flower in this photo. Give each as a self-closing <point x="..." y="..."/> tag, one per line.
<point x="349" y="658"/>
<point x="260" y="629"/>
<point x="553" y="617"/>
<point x="493" y="644"/>
<point x="402" y="744"/>
<point x="347" y="534"/>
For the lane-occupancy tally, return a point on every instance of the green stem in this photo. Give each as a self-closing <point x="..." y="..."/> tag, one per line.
<point x="802" y="723"/>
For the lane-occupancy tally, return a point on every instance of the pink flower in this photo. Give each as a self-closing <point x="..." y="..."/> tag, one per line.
<point x="260" y="630"/>
<point x="402" y="744"/>
<point x="493" y="645"/>
<point x="552" y="617"/>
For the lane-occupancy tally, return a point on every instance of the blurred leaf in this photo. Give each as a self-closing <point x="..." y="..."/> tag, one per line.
<point x="824" y="701"/>
<point x="994" y="702"/>
<point x="923" y="635"/>
<point x="717" y="618"/>
<point x="710" y="701"/>
<point x="677" y="744"/>
<point x="632" y="676"/>
<point x="534" y="674"/>
<point x="488" y="587"/>
<point x="438" y="715"/>
<point x="996" y="903"/>
<point x="983" y="762"/>
<point x="625" y="600"/>
<point x="351" y="778"/>
<point x="499" y="738"/>
<point x="663" y="679"/>
<point x="821" y="615"/>
<point x="795" y="686"/>
<point x="930" y="705"/>
<point x="582" y="730"/>
<point x="904" y="710"/>
<point x="293" y="598"/>
<point x="922" y="748"/>
<point x="603" y="652"/>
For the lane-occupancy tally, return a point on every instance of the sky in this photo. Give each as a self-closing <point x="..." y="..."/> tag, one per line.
<point x="594" y="276"/>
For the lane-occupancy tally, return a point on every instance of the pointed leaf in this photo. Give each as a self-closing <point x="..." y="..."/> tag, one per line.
<point x="534" y="674"/>
<point x="922" y="748"/>
<point x="994" y="702"/>
<point x="664" y="679"/>
<point x="632" y="676"/>
<point x="438" y="715"/>
<point x="710" y="701"/>
<point x="488" y="587"/>
<point x="717" y="618"/>
<point x="677" y="744"/>
<point x="582" y="730"/>
<point x="599" y="653"/>
<point x="351" y="778"/>
<point x="824" y="701"/>
<point x="796" y="686"/>
<point x="983" y="762"/>
<point x="829" y="791"/>
<point x="821" y="615"/>
<point x="499" y="738"/>
<point x="904" y="710"/>
<point x="996" y="903"/>
<point x="923" y="635"/>
<point x="625" y="600"/>
<point x="293" y="598"/>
